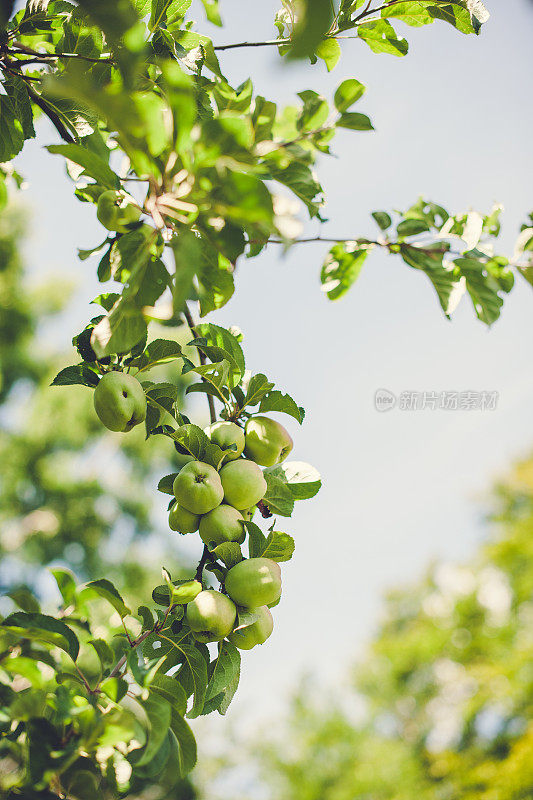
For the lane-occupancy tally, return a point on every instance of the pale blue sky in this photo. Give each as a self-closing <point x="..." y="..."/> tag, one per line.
<point x="453" y="122"/>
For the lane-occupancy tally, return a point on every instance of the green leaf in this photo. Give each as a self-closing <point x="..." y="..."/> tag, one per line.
<point x="277" y="401"/>
<point x="354" y="121"/>
<point x="224" y="678"/>
<point x="115" y="20"/>
<point x="342" y="267"/>
<point x="229" y="553"/>
<point x="445" y="279"/>
<point x="212" y="12"/>
<point x="415" y="14"/>
<point x="17" y="92"/>
<point x="66" y="584"/>
<point x="193" y="439"/>
<point x="410" y="227"/>
<point x="187" y="254"/>
<point x="383" y="219"/>
<point x="166" y="484"/>
<point x="279" y="546"/>
<point x="114" y="688"/>
<point x="159" y="351"/>
<point x="104" y="589"/>
<point x="81" y="375"/>
<point x="482" y="288"/>
<point x="258" y="387"/>
<point x="278" y="496"/>
<point x="456" y="14"/>
<point x="11" y="130"/>
<point x="303" y="479"/>
<point x="314" y="20"/>
<point x="381" y="37"/>
<point x="215" y="281"/>
<point x="45" y="629"/>
<point x="186" y="744"/>
<point x="256" y="539"/>
<point x="223" y="344"/>
<point x="329" y="50"/>
<point x="25" y="600"/>
<point x="158" y="713"/>
<point x="172" y="691"/>
<point x="93" y="166"/>
<point x="193" y="675"/>
<point x="348" y="93"/>
<point x="120" y="330"/>
<point x="103" y="651"/>
<point x="300" y="179"/>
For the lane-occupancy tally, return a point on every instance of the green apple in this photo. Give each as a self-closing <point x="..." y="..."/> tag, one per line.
<point x="267" y="442"/>
<point x="197" y="487"/>
<point x="254" y="582"/>
<point x="243" y="482"/>
<point x="181" y="520"/>
<point x="116" y="210"/>
<point x="256" y="633"/>
<point x="120" y="401"/>
<point x="222" y="524"/>
<point x="226" y="434"/>
<point x="211" y="616"/>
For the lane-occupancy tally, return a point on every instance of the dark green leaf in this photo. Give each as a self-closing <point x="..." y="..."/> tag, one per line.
<point x="277" y="401"/>
<point x="355" y="121"/>
<point x="104" y="589"/>
<point x="46" y="629"/>
<point x="81" y="375"/>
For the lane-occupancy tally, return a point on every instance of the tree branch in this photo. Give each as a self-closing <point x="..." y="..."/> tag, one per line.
<point x="267" y="43"/>
<point x="52" y="116"/>
<point x="190" y="322"/>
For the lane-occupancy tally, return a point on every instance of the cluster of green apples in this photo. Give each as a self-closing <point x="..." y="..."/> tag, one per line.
<point x="216" y="504"/>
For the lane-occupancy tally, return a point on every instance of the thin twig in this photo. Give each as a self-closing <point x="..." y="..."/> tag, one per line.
<point x="210" y="401"/>
<point x="267" y="43"/>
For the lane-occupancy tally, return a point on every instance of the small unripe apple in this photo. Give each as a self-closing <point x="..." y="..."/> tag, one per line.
<point x="120" y="401"/>
<point x="116" y="210"/>
<point x="211" y="616"/>
<point x="254" y="582"/>
<point x="197" y="487"/>
<point x="243" y="482"/>
<point x="226" y="434"/>
<point x="181" y="520"/>
<point x="267" y="442"/>
<point x="256" y="633"/>
<point x="222" y="524"/>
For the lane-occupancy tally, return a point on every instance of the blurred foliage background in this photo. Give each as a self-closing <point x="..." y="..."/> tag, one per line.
<point x="440" y="707"/>
<point x="72" y="494"/>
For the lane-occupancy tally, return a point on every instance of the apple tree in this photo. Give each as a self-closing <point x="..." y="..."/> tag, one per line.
<point x="189" y="176"/>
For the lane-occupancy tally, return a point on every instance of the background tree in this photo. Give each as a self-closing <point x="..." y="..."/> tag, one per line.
<point x="446" y="687"/>
<point x="71" y="496"/>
